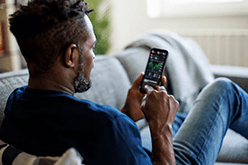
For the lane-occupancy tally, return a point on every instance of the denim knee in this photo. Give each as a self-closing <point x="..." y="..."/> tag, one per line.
<point x="222" y="83"/>
<point x="217" y="90"/>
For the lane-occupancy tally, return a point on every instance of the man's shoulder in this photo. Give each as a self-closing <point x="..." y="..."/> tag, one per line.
<point x="102" y="114"/>
<point x="106" y="112"/>
<point x="33" y="102"/>
<point x="63" y="103"/>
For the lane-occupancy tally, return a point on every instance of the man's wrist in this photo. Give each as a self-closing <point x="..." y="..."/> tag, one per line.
<point x="158" y="131"/>
<point x="126" y="111"/>
<point x="162" y="150"/>
<point x="158" y="127"/>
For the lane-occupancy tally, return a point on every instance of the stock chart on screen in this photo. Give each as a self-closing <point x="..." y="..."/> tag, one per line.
<point x="155" y="65"/>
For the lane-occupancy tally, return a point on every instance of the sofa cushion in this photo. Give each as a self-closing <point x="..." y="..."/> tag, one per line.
<point x="8" y="82"/>
<point x="234" y="148"/>
<point x="134" y="61"/>
<point x="110" y="83"/>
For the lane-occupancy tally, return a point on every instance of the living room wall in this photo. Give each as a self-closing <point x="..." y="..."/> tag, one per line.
<point x="130" y="20"/>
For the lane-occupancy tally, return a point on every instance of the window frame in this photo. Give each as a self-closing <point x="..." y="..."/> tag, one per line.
<point x="161" y="8"/>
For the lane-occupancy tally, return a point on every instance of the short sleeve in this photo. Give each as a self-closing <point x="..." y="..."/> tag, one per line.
<point x="121" y="144"/>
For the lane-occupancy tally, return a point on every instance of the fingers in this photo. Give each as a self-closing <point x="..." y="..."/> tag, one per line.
<point x="138" y="81"/>
<point x="148" y="89"/>
<point x="143" y="102"/>
<point x="164" y="81"/>
<point x="161" y="89"/>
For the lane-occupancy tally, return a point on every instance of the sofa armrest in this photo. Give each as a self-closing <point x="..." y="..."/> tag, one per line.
<point x="235" y="73"/>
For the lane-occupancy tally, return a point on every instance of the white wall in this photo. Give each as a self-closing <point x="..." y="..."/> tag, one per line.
<point x="129" y="20"/>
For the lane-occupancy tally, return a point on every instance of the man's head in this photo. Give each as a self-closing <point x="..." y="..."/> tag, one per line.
<point x="82" y="81"/>
<point x="46" y="29"/>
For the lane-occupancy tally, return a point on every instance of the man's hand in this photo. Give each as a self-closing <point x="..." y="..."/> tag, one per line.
<point x="159" y="108"/>
<point x="160" y="111"/>
<point x="133" y="101"/>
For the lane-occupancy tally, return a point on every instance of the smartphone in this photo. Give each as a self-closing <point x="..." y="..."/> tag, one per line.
<point x="154" y="68"/>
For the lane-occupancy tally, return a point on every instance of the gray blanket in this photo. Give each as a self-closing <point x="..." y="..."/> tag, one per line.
<point x="187" y="64"/>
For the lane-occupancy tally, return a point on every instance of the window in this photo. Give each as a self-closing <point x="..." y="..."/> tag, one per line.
<point x="195" y="8"/>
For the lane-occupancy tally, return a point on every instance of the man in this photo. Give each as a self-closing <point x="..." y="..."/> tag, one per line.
<point x="44" y="118"/>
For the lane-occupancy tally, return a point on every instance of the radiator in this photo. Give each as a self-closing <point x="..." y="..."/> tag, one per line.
<point x="221" y="46"/>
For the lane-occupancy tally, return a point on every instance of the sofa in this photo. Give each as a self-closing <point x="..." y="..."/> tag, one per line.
<point x="113" y="75"/>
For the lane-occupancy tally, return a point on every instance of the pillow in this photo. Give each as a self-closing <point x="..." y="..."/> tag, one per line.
<point x="11" y="156"/>
<point x="110" y="83"/>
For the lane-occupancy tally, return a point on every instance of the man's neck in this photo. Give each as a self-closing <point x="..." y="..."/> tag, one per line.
<point x="50" y="83"/>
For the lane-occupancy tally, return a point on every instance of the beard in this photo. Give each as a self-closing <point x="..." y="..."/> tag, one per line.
<point x="81" y="83"/>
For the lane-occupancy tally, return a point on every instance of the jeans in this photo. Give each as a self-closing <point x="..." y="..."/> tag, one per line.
<point x="220" y="105"/>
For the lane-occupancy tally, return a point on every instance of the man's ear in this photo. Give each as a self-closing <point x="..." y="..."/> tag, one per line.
<point x="71" y="55"/>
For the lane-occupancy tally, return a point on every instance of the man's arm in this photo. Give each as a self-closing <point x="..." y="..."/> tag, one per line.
<point x="162" y="148"/>
<point x="132" y="106"/>
<point x="160" y="111"/>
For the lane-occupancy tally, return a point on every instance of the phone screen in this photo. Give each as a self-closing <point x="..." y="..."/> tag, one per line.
<point x="154" y="68"/>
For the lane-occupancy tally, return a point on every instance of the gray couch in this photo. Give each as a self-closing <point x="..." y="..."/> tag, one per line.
<point x="113" y="75"/>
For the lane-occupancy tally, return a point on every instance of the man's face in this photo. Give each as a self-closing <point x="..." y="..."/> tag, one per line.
<point x="82" y="81"/>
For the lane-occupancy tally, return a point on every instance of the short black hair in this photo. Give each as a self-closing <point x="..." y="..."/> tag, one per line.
<point x="45" y="28"/>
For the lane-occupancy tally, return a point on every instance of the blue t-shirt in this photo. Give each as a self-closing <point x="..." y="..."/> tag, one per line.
<point x="47" y="123"/>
